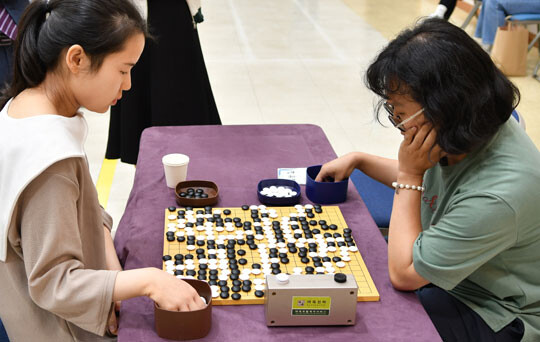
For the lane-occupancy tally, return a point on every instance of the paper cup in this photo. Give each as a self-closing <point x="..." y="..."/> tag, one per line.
<point x="175" y="166"/>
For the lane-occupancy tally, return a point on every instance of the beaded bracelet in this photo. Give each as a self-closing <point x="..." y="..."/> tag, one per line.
<point x="407" y="186"/>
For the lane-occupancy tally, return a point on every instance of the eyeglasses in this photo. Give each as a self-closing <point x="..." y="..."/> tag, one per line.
<point x="399" y="125"/>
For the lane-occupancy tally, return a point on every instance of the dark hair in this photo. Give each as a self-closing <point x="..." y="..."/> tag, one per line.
<point x="46" y="28"/>
<point x="438" y="65"/>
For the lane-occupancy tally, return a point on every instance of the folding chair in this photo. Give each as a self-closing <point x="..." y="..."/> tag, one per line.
<point x="472" y="13"/>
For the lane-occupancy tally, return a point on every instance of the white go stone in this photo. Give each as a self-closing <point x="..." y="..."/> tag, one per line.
<point x="340" y="264"/>
<point x="172" y="217"/>
<point x="353" y="249"/>
<point x="256" y="271"/>
<point x="258" y="281"/>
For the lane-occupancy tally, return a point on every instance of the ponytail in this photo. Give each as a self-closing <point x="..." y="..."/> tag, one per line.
<point x="47" y="27"/>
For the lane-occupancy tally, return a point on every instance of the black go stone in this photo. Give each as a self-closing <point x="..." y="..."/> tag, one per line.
<point x="237" y="272"/>
<point x="255" y="265"/>
<point x="203" y="266"/>
<point x="310" y="215"/>
<point x="224" y="295"/>
<point x="213" y="277"/>
<point x="333" y="227"/>
<point x="189" y="256"/>
<point x="326" y="259"/>
<point x="284" y="260"/>
<point x="246" y="288"/>
<point x="226" y="212"/>
<point x="241" y="242"/>
<point x="242" y="261"/>
<point x="237" y="283"/>
<point x="223" y="283"/>
<point x="201" y="277"/>
<point x="259" y="294"/>
<point x="191" y="273"/>
<point x="234" y="276"/>
<point x="318" y="264"/>
<point x="236" y="296"/>
<point x="235" y="289"/>
<point x="305" y="260"/>
<point x="224" y="288"/>
<point x="171" y="209"/>
<point x="166" y="257"/>
<point x="212" y="282"/>
<point x="275" y="265"/>
<point x="170" y="238"/>
<point x="178" y="272"/>
<point x="245" y="207"/>
<point x="179" y="262"/>
<point x="213" y="272"/>
<point x="276" y="271"/>
<point x="179" y="257"/>
<point x="200" y="243"/>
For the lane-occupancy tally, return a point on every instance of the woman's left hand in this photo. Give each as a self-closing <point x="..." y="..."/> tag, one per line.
<point x="113" y="319"/>
<point x="418" y="150"/>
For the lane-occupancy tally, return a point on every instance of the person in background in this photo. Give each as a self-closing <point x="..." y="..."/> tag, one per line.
<point x="60" y="276"/>
<point x="10" y="13"/>
<point x="170" y="82"/>
<point x="444" y="9"/>
<point x="493" y="14"/>
<point x="464" y="231"/>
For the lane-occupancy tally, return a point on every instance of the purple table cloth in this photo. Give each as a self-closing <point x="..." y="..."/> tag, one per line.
<point x="237" y="158"/>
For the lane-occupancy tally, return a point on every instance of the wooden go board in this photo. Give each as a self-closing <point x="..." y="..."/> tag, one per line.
<point x="205" y="243"/>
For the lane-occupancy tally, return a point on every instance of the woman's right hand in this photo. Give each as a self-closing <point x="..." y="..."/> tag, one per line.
<point x="173" y="294"/>
<point x="338" y="169"/>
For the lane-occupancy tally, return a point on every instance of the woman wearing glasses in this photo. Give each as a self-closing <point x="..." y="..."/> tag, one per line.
<point x="465" y="228"/>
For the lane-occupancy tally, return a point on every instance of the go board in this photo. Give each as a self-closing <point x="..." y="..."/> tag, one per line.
<point x="235" y="248"/>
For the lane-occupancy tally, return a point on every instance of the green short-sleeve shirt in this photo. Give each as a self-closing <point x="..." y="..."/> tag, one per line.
<point x="481" y="230"/>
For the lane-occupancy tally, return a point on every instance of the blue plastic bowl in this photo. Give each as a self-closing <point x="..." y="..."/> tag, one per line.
<point x="265" y="183"/>
<point x="324" y="192"/>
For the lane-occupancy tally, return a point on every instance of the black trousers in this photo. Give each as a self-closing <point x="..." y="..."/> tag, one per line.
<point x="6" y="65"/>
<point x="455" y="321"/>
<point x="450" y="5"/>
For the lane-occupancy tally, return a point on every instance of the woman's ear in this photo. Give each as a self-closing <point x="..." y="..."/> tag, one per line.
<point x="76" y="59"/>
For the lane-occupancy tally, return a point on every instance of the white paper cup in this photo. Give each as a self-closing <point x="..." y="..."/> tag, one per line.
<point x="175" y="166"/>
